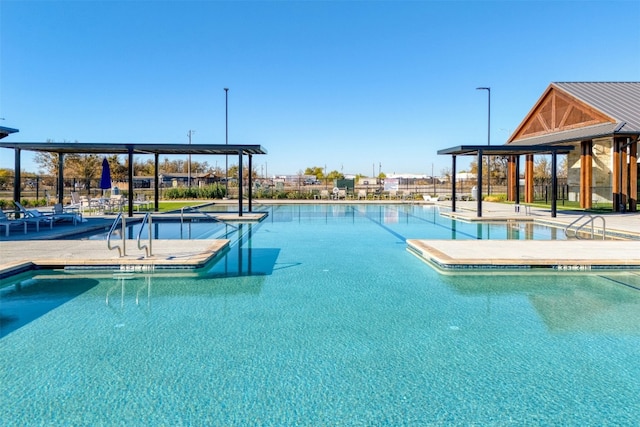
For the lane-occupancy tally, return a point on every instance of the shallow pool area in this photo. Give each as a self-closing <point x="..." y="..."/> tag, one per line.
<point x="320" y="316"/>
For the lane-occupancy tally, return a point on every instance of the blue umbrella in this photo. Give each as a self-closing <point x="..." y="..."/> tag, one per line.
<point x="105" y="179"/>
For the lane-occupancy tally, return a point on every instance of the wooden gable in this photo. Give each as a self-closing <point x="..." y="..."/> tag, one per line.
<point x="557" y="111"/>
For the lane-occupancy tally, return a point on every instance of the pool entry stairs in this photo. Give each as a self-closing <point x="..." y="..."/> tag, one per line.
<point x="577" y="229"/>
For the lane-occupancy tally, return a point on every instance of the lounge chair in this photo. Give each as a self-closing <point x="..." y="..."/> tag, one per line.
<point x="362" y="194"/>
<point x="34" y="216"/>
<point x="59" y="213"/>
<point x="7" y="223"/>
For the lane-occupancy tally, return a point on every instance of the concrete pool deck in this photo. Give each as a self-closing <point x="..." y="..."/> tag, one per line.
<point x="23" y="251"/>
<point x="555" y="254"/>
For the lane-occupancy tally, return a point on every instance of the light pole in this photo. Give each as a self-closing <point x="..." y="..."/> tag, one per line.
<point x="226" y="141"/>
<point x="191" y="132"/>
<point x="488" y="89"/>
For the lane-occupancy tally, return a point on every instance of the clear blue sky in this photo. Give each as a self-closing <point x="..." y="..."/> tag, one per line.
<point x="342" y="84"/>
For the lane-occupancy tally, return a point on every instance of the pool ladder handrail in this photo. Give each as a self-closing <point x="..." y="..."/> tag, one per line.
<point x="206" y="215"/>
<point x="121" y="251"/>
<point x="147" y="248"/>
<point x="590" y="221"/>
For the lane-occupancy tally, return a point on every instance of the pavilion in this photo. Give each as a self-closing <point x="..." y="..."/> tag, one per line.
<point x="596" y="124"/>
<point x="131" y="149"/>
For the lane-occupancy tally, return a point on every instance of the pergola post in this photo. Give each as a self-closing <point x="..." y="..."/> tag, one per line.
<point x="554" y="183"/>
<point x="239" y="182"/>
<point x="517" y="173"/>
<point x="16" y="174"/>
<point x="479" y="188"/>
<point x="250" y="186"/>
<point x="130" y="177"/>
<point x="60" y="177"/>
<point x="453" y="183"/>
<point x="156" y="183"/>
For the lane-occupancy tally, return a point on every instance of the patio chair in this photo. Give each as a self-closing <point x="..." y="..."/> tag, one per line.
<point x="362" y="194"/>
<point x="141" y="201"/>
<point x="7" y="223"/>
<point x="34" y="216"/>
<point x="324" y="194"/>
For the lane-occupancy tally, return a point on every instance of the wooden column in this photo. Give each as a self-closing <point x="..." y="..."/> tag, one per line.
<point x="633" y="177"/>
<point x="528" y="179"/>
<point x="615" y="181"/>
<point x="624" y="174"/>
<point x="512" y="179"/>
<point x="586" y="174"/>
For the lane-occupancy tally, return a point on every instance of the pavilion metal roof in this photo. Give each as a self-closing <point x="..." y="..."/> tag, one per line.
<point x="5" y="131"/>
<point x="505" y="150"/>
<point x="135" y="148"/>
<point x="618" y="100"/>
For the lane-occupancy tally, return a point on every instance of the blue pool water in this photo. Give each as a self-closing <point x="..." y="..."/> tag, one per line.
<point x="318" y="318"/>
<point x="414" y="221"/>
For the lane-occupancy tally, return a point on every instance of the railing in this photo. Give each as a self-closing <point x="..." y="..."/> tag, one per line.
<point x="147" y="248"/>
<point x="121" y="251"/>
<point x="586" y="219"/>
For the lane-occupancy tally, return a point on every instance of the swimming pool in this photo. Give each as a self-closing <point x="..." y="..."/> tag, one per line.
<point x="321" y="318"/>
<point x="413" y="221"/>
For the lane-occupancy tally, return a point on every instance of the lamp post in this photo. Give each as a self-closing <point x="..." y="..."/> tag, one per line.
<point x="488" y="89"/>
<point x="226" y="140"/>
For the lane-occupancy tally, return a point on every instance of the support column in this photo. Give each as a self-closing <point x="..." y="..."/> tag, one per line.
<point x="517" y="195"/>
<point x="554" y="183"/>
<point x="528" y="179"/>
<point x="61" y="178"/>
<point x="250" y="181"/>
<point x="16" y="175"/>
<point x="512" y="179"/>
<point x="586" y="174"/>
<point x="624" y="169"/>
<point x="615" y="176"/>
<point x="130" y="177"/>
<point x="633" y="177"/>
<point x="239" y="182"/>
<point x="156" y="185"/>
<point x="453" y="183"/>
<point x="479" y="189"/>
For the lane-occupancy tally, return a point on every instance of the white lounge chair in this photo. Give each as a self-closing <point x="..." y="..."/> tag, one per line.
<point x="59" y="213"/>
<point x="7" y="223"/>
<point x="34" y="216"/>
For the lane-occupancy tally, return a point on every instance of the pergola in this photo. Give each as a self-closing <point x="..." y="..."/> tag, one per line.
<point x="513" y="152"/>
<point x="131" y="149"/>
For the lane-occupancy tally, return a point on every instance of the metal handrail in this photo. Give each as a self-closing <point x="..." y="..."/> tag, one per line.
<point x="196" y="210"/>
<point x="121" y="251"/>
<point x="590" y="221"/>
<point x="147" y="248"/>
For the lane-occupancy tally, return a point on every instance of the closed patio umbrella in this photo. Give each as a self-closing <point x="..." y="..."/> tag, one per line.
<point x="105" y="179"/>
